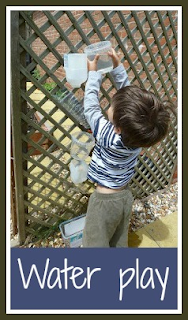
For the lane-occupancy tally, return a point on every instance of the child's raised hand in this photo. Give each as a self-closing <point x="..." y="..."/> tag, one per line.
<point x="115" y="58"/>
<point x="92" y="65"/>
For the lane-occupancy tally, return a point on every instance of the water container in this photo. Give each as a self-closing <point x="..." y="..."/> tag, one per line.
<point x="75" y="65"/>
<point x="104" y="63"/>
<point x="78" y="171"/>
<point x="69" y="102"/>
<point x="82" y="143"/>
<point x="72" y="231"/>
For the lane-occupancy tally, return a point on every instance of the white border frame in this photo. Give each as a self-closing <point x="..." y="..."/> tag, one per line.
<point x="8" y="155"/>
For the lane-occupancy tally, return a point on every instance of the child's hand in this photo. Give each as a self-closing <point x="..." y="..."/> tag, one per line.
<point x="115" y="58"/>
<point x="92" y="65"/>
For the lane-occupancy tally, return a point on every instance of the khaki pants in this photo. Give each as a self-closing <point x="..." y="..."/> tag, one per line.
<point x="107" y="219"/>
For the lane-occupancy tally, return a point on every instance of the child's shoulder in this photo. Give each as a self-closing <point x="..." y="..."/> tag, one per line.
<point x="119" y="145"/>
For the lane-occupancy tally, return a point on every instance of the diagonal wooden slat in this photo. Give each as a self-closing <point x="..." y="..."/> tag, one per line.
<point x="167" y="39"/>
<point x="161" y="53"/>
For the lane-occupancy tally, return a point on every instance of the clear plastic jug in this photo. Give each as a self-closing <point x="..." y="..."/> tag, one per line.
<point x="75" y="65"/>
<point x="104" y="63"/>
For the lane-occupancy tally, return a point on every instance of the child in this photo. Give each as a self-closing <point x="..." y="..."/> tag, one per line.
<point x="137" y="118"/>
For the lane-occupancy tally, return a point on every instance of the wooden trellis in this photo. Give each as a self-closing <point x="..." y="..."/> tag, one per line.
<point x="147" y="40"/>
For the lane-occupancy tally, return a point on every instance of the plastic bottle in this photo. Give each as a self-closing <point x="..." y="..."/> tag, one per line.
<point x="75" y="65"/>
<point x="71" y="104"/>
<point x="81" y="145"/>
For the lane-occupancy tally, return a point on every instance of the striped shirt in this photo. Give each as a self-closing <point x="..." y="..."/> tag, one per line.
<point x="112" y="164"/>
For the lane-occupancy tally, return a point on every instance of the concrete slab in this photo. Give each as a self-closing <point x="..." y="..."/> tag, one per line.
<point x="141" y="239"/>
<point x="164" y="231"/>
<point x="161" y="233"/>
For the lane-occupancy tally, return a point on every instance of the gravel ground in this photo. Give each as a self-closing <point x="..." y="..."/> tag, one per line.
<point x="155" y="206"/>
<point x="145" y="211"/>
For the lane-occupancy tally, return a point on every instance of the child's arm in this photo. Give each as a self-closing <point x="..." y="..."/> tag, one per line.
<point x="92" y="109"/>
<point x="118" y="73"/>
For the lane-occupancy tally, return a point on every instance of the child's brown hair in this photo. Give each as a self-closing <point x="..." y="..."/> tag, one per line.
<point x="143" y="119"/>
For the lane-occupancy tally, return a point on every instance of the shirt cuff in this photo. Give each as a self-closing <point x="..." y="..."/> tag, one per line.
<point x="117" y="70"/>
<point x="94" y="74"/>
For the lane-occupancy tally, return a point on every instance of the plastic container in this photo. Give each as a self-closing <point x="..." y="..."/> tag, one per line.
<point x="82" y="143"/>
<point x="78" y="171"/>
<point x="104" y="63"/>
<point x="75" y="65"/>
<point x="69" y="102"/>
<point x="72" y="231"/>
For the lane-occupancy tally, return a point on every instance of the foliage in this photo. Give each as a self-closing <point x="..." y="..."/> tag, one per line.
<point x="36" y="74"/>
<point x="49" y="85"/>
<point x="59" y="94"/>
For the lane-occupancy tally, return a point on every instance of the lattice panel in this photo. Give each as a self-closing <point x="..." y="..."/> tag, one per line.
<point x="147" y="42"/>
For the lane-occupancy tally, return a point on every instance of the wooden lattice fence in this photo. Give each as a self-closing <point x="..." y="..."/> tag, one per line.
<point x="42" y="126"/>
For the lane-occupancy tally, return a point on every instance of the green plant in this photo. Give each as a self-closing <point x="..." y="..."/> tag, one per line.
<point x="36" y="74"/>
<point x="49" y="85"/>
<point x="59" y="94"/>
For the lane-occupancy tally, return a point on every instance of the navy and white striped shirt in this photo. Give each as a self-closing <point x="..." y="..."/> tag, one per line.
<point x="112" y="164"/>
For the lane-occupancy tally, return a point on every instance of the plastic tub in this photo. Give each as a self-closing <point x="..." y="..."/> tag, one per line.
<point x="72" y="231"/>
<point x="75" y="65"/>
<point x="82" y="143"/>
<point x="105" y="63"/>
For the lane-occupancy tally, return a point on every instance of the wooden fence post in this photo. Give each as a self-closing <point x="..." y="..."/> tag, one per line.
<point x="16" y="124"/>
